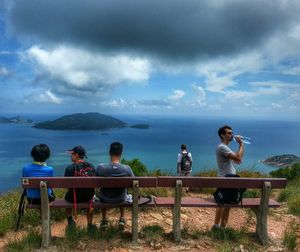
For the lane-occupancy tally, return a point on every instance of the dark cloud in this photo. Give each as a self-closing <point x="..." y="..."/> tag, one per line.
<point x="169" y="29"/>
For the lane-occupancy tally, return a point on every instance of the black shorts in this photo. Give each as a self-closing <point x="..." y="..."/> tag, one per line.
<point x="82" y="195"/>
<point x="37" y="201"/>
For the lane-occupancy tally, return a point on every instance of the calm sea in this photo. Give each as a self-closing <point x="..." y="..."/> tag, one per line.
<point x="156" y="147"/>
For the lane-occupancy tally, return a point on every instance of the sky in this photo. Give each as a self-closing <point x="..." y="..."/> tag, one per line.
<point x="213" y="58"/>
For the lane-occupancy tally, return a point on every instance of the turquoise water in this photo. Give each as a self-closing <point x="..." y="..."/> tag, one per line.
<point x="157" y="147"/>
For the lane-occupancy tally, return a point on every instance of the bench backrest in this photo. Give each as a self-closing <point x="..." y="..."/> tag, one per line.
<point x="221" y="182"/>
<point x="164" y="181"/>
<point x="88" y="182"/>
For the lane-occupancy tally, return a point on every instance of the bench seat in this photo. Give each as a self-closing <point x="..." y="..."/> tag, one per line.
<point x="210" y="202"/>
<point x="62" y="203"/>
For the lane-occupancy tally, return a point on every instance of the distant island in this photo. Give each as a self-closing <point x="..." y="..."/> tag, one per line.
<point x="82" y="121"/>
<point x="16" y="119"/>
<point x="282" y="160"/>
<point x="140" y="126"/>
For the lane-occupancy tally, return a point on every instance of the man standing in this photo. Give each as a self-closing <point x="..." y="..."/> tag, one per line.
<point x="79" y="168"/>
<point x="184" y="162"/>
<point x="114" y="195"/>
<point x="225" y="159"/>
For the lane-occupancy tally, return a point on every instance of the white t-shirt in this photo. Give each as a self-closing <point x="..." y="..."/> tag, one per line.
<point x="225" y="164"/>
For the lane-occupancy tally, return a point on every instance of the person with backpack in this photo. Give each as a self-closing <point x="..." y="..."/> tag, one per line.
<point x="114" y="195"/>
<point x="79" y="168"/>
<point x="225" y="160"/>
<point x="184" y="162"/>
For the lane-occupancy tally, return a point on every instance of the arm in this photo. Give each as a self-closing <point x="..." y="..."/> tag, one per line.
<point x="179" y="163"/>
<point x="237" y="156"/>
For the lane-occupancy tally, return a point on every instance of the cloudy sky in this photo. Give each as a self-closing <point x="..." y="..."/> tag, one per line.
<point x="200" y="58"/>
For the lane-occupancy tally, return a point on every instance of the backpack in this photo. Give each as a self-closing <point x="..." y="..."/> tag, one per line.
<point x="84" y="169"/>
<point x="186" y="163"/>
<point x="229" y="195"/>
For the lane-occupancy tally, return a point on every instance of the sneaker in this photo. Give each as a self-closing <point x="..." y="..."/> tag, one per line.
<point x="71" y="223"/>
<point x="121" y="224"/>
<point x="215" y="227"/>
<point x="91" y="228"/>
<point x="104" y="225"/>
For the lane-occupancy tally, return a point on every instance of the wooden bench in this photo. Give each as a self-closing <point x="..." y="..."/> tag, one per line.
<point x="43" y="183"/>
<point x="258" y="205"/>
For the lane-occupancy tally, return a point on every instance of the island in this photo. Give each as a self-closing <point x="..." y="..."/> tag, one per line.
<point x="82" y="121"/>
<point x="282" y="160"/>
<point x="16" y="119"/>
<point x="140" y="126"/>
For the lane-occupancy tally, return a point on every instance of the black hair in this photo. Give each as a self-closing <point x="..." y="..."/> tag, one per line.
<point x="183" y="147"/>
<point x="40" y="152"/>
<point x="116" y="149"/>
<point x="222" y="131"/>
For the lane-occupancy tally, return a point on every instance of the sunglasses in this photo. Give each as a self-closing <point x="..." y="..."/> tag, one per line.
<point x="229" y="133"/>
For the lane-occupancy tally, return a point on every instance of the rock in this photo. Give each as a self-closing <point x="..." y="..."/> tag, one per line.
<point x="242" y="248"/>
<point x="169" y="221"/>
<point x="158" y="245"/>
<point x="122" y="250"/>
<point x="156" y="216"/>
<point x="81" y="245"/>
<point x="184" y="217"/>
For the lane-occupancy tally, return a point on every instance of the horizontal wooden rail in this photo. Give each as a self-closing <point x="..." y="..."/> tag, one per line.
<point x="221" y="182"/>
<point x="88" y="182"/>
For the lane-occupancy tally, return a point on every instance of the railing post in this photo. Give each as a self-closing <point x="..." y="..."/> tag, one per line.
<point x="176" y="211"/>
<point x="262" y="214"/>
<point x="135" y="210"/>
<point x="45" y="212"/>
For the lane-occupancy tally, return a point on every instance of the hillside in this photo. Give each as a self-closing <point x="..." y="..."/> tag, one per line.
<point x="16" y="119"/>
<point x="82" y="121"/>
<point x="282" y="160"/>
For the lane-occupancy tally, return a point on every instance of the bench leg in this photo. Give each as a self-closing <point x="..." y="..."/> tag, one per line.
<point x="262" y="214"/>
<point x="45" y="212"/>
<point x="135" y="211"/>
<point x="176" y="211"/>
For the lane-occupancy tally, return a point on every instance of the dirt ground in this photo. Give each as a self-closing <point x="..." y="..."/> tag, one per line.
<point x="192" y="219"/>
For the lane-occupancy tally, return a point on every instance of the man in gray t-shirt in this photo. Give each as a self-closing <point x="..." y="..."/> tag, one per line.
<point x="225" y="159"/>
<point x="113" y="195"/>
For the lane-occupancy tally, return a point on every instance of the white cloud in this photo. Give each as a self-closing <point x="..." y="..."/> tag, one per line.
<point x="220" y="73"/>
<point x="200" y="94"/>
<point x="276" y="105"/>
<point x="48" y="97"/>
<point x="117" y="103"/>
<point x="239" y="94"/>
<point x="295" y="96"/>
<point x="80" y="68"/>
<point x="3" y="71"/>
<point x="177" y="95"/>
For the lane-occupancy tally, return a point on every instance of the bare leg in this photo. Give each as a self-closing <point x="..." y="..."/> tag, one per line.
<point x="225" y="217"/>
<point x="218" y="215"/>
<point x="122" y="211"/>
<point x="69" y="212"/>
<point x="89" y="215"/>
<point x="103" y="210"/>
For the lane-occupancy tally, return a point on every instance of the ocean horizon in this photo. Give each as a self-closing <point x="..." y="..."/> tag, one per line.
<point x="156" y="147"/>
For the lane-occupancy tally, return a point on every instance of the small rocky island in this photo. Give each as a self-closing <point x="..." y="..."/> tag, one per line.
<point x="282" y="160"/>
<point x="15" y="119"/>
<point x="140" y="126"/>
<point x="82" y="121"/>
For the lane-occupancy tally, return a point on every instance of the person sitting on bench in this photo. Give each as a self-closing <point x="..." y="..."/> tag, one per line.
<point x="113" y="195"/>
<point x="40" y="153"/>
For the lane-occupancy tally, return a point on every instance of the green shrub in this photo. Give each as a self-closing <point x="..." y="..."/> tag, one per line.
<point x="290" y="237"/>
<point x="290" y="173"/>
<point x="294" y="205"/>
<point x="138" y="168"/>
<point x="29" y="243"/>
<point x="153" y="232"/>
